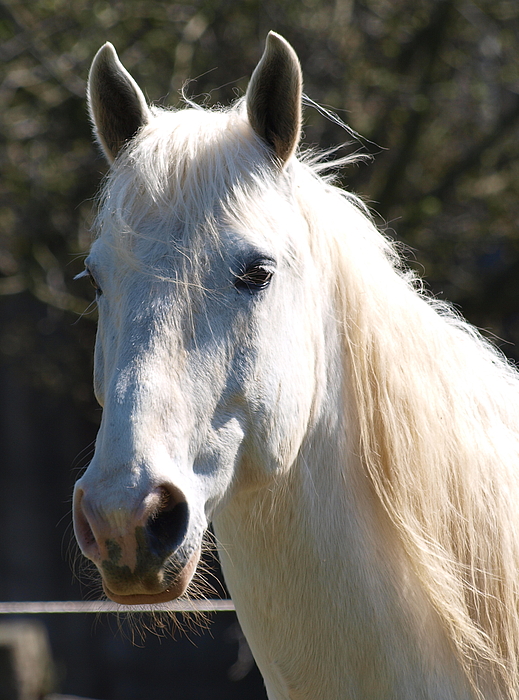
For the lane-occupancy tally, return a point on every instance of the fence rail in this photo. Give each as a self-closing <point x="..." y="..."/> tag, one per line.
<point x="106" y="606"/>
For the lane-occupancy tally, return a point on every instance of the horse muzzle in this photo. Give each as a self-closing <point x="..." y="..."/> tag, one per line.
<point x="144" y="554"/>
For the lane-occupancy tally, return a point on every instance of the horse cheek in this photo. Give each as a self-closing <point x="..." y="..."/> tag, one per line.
<point x="99" y="361"/>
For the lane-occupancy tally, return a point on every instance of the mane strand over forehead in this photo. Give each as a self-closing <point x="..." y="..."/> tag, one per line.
<point x="184" y="170"/>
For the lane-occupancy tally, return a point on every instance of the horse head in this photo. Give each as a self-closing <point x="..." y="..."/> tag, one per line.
<point x="204" y="365"/>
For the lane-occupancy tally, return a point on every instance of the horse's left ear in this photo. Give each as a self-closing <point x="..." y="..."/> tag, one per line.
<point x="115" y="101"/>
<point x="274" y="97"/>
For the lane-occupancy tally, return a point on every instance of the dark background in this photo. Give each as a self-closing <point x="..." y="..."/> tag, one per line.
<point x="432" y="85"/>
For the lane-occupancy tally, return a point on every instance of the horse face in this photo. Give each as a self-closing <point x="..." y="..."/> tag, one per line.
<point x="204" y="392"/>
<point x="205" y="360"/>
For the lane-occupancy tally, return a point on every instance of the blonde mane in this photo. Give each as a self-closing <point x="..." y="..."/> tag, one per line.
<point x="436" y="404"/>
<point x="439" y="438"/>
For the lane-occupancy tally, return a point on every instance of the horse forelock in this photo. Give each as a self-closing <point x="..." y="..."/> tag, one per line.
<point x="184" y="164"/>
<point x="186" y="173"/>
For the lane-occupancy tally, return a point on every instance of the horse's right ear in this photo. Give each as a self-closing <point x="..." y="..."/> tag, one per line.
<point x="117" y="106"/>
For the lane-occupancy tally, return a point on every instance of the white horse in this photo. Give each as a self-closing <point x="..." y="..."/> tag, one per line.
<point x="265" y="365"/>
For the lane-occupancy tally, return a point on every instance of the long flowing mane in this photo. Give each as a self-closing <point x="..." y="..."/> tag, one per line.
<point x="439" y="438"/>
<point x="436" y="404"/>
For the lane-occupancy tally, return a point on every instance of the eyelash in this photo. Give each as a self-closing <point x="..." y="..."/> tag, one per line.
<point x="256" y="277"/>
<point x="94" y="284"/>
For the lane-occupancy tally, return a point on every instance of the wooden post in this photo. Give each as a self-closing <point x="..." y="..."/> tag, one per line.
<point x="26" y="668"/>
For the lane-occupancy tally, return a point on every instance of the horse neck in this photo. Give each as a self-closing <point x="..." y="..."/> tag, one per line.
<point x="321" y="585"/>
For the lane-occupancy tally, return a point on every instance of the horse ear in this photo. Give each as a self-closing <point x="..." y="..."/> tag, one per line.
<point x="117" y="106"/>
<point x="274" y="97"/>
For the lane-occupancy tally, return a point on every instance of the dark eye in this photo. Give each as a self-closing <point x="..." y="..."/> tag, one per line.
<point x="94" y="284"/>
<point x="86" y="273"/>
<point x="256" y="277"/>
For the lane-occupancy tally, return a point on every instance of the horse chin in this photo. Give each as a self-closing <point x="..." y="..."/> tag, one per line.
<point x="172" y="592"/>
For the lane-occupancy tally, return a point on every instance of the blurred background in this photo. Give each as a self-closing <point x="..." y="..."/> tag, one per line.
<point x="433" y="88"/>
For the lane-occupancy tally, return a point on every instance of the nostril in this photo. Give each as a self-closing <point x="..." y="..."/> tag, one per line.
<point x="167" y="499"/>
<point x="84" y="534"/>
<point x="87" y="535"/>
<point x="168" y="525"/>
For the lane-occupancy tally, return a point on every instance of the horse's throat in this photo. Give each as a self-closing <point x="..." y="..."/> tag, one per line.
<point x="326" y="612"/>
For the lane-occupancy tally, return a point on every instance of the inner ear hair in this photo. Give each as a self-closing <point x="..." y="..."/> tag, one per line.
<point x="116" y="103"/>
<point x="274" y="97"/>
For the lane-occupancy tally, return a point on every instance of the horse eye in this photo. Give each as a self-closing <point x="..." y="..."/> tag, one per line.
<point x="95" y="285"/>
<point x="255" y="278"/>
<point x="86" y="273"/>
